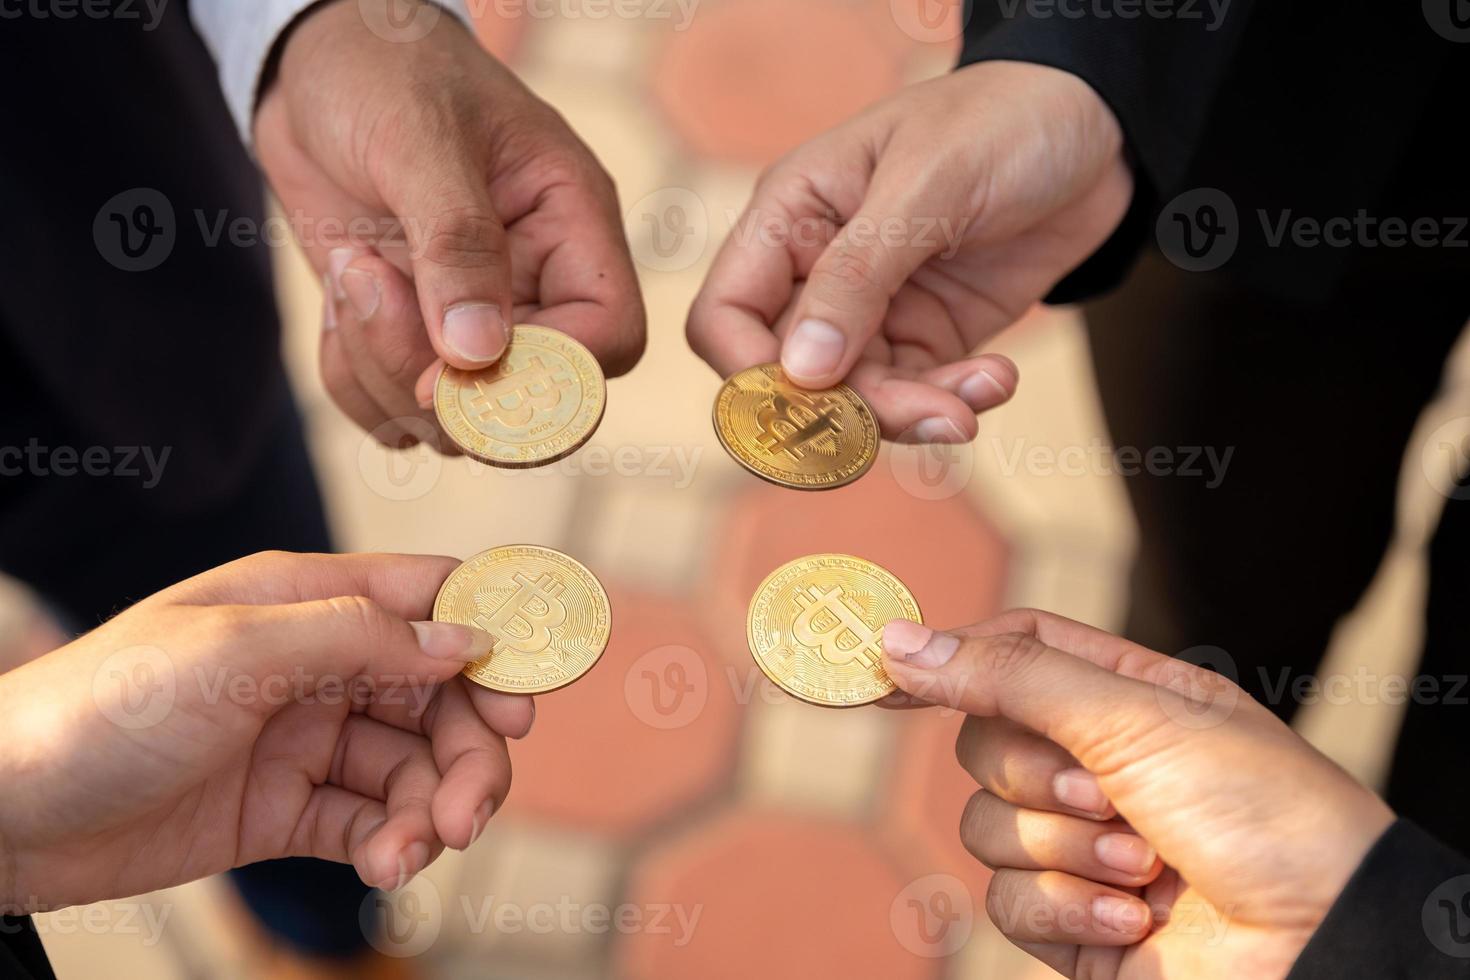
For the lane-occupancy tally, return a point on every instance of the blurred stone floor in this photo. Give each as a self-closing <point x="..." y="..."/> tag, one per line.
<point x="673" y="817"/>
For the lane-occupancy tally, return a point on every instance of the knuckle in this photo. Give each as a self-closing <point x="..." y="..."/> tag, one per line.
<point x="1001" y="900"/>
<point x="363" y="616"/>
<point x="1008" y="654"/>
<point x="464" y="237"/>
<point x="974" y="827"/>
<point x="852" y="271"/>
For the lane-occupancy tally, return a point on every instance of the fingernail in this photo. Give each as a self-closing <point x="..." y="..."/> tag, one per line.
<point x="814" y="350"/>
<point x="411" y="860"/>
<point x="337" y="261"/>
<point x="1078" y="789"/>
<point x="981" y="391"/>
<point x="939" y="430"/>
<point x="1127" y="853"/>
<point x="481" y="819"/>
<point x="918" y="646"/>
<point x="362" y="292"/>
<point x="450" y="641"/>
<point x="475" y="331"/>
<point x="329" y="304"/>
<point x="1118" y="914"/>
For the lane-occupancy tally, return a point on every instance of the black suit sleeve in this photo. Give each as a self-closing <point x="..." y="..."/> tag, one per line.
<point x="1159" y="74"/>
<point x="1405" y="913"/>
<point x="21" y="954"/>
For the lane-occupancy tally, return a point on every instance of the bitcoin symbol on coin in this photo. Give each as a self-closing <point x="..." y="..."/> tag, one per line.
<point x="805" y="440"/>
<point x="829" y="625"/>
<point x="792" y="422"/>
<point x="527" y="619"/>
<point x="516" y="398"/>
<point x="815" y="628"/>
<point x="548" y="614"/>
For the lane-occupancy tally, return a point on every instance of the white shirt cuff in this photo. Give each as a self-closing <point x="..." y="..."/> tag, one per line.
<point x="242" y="34"/>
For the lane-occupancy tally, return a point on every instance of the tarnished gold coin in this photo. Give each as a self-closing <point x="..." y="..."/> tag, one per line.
<point x="549" y="615"/>
<point x="541" y="401"/>
<point x="816" y="628"/>
<point x="806" y="440"/>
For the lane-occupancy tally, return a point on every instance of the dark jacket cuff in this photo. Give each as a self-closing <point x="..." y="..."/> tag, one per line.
<point x="1405" y="913"/>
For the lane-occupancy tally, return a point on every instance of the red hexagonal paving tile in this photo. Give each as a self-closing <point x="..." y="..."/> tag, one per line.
<point x="949" y="556"/>
<point x="649" y="730"/>
<point x="749" y="81"/>
<point x="927" y="793"/>
<point x="778" y="897"/>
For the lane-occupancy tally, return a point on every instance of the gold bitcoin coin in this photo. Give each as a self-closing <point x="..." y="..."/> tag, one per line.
<point x="548" y="614"/>
<point x="816" y="628"/>
<point x="541" y="401"/>
<point x="806" y="440"/>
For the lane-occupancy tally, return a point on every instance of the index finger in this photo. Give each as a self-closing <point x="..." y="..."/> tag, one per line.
<point x="404" y="585"/>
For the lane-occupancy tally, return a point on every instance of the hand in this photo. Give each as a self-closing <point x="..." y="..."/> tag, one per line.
<point x="1239" y="836"/>
<point x="887" y="250"/>
<point x="505" y="215"/>
<point x="280" y="705"/>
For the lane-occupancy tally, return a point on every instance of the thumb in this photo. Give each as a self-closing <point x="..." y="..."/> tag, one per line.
<point x="1094" y="713"/>
<point x="460" y="259"/>
<point x="848" y="291"/>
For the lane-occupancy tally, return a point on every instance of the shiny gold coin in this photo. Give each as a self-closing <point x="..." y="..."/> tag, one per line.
<point x="816" y="628"/>
<point x="541" y="401"/>
<point x="806" y="440"/>
<point x="549" y="615"/>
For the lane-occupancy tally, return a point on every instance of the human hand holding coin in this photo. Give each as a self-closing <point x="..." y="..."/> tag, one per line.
<point x="468" y="206"/>
<point x="281" y="705"/>
<point x="884" y="252"/>
<point x="1145" y="817"/>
